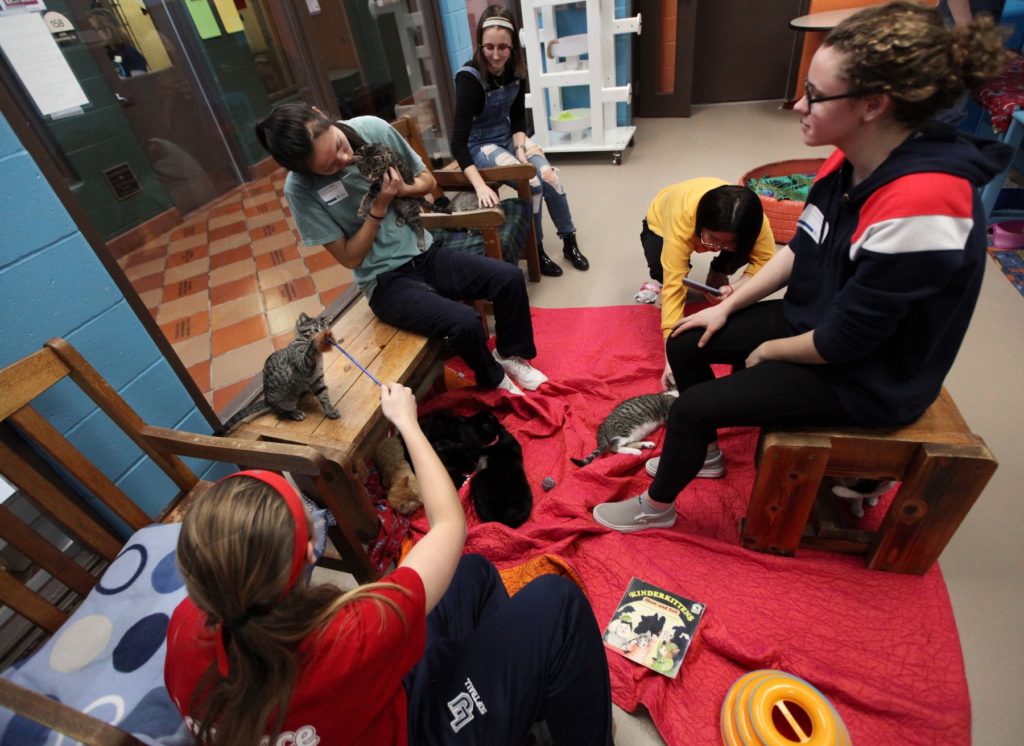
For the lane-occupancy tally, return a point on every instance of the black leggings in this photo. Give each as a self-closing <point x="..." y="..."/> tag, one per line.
<point x="767" y="395"/>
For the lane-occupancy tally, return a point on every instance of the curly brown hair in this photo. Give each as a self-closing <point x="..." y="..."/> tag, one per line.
<point x="908" y="51"/>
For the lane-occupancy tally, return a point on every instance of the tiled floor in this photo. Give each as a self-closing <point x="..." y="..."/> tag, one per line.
<point x="227" y="285"/>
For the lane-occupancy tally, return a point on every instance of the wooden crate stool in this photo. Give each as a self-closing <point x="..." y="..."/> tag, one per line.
<point x="941" y="464"/>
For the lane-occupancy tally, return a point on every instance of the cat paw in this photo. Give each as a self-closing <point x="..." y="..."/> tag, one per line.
<point x="332" y="414"/>
<point x="647" y="444"/>
<point x="297" y="414"/>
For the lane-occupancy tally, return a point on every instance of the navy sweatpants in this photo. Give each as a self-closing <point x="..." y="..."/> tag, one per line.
<point x="495" y="665"/>
<point x="425" y="296"/>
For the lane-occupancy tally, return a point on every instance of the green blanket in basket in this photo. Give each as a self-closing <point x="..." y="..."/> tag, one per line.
<point x="788" y="187"/>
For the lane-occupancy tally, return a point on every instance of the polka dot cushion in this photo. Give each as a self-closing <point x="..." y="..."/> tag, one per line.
<point x="107" y="660"/>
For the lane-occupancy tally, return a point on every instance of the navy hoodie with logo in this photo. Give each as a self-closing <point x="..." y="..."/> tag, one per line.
<point x="887" y="273"/>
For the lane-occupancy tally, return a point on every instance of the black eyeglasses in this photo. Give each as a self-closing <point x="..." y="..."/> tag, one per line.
<point x="851" y="94"/>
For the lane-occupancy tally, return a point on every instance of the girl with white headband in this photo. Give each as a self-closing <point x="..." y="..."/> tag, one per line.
<point x="490" y="130"/>
<point x="434" y="653"/>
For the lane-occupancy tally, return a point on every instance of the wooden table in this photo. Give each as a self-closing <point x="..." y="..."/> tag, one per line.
<point x="390" y="354"/>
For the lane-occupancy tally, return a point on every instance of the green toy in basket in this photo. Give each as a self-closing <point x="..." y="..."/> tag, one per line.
<point x="774" y="708"/>
<point x="782" y="214"/>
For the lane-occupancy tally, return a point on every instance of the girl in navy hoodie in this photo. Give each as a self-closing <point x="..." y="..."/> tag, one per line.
<point x="883" y="274"/>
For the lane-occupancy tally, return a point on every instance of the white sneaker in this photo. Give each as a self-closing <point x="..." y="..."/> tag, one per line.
<point x="528" y="377"/>
<point x="714" y="466"/>
<point x="507" y="385"/>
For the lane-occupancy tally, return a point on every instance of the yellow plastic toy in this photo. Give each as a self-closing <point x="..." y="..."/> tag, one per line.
<point x="773" y="708"/>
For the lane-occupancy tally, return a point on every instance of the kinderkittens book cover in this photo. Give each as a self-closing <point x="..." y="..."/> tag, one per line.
<point x="653" y="627"/>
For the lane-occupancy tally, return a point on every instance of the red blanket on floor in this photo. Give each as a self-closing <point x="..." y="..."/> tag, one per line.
<point x="882" y="647"/>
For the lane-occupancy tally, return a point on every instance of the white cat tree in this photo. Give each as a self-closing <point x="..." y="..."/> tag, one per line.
<point x="555" y="62"/>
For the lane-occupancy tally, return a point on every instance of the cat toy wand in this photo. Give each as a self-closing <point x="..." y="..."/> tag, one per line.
<point x="368" y="373"/>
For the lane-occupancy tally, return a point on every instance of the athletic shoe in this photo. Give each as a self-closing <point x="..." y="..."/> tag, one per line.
<point x="714" y="466"/>
<point x="648" y="292"/>
<point x="525" y="374"/>
<point x="507" y="385"/>
<point x="633" y="514"/>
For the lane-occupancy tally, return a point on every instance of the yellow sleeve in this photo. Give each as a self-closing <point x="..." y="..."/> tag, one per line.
<point x="675" y="263"/>
<point x="764" y="249"/>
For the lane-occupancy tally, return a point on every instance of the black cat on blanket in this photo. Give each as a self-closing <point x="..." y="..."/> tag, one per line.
<point x="481" y="446"/>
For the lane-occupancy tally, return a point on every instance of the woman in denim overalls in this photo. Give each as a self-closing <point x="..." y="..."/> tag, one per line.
<point x="490" y="130"/>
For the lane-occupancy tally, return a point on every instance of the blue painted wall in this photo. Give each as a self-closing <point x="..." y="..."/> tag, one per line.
<point x="53" y="285"/>
<point x="455" y="22"/>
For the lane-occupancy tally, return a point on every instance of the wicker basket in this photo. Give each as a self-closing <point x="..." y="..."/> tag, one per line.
<point x="783" y="214"/>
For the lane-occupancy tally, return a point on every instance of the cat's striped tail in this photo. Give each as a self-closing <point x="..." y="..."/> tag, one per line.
<point x="590" y="457"/>
<point x="246" y="413"/>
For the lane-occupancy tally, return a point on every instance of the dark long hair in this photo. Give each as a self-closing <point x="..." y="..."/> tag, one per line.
<point x="733" y="209"/>
<point x="515" y="58"/>
<point x="288" y="132"/>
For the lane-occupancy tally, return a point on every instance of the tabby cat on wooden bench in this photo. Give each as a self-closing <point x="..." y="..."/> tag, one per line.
<point x="289" y="373"/>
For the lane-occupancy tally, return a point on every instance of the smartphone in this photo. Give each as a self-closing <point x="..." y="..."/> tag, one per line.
<point x="701" y="287"/>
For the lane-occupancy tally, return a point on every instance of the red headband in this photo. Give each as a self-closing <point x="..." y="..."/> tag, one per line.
<point x="300" y="542"/>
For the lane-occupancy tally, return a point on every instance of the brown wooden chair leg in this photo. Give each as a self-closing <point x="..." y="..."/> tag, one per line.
<point x="939" y="489"/>
<point x="788" y="477"/>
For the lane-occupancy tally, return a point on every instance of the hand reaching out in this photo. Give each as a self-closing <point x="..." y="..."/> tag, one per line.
<point x="487" y="197"/>
<point x="399" y="405"/>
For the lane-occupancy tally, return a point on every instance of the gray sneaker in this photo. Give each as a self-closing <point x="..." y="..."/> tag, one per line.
<point x="714" y="466"/>
<point x="633" y="515"/>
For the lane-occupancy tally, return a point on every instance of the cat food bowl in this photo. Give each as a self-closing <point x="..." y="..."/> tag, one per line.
<point x="1008" y="235"/>
<point x="572" y="122"/>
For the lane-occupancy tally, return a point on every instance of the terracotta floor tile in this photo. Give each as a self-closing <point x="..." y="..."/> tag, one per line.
<point x="256" y="188"/>
<point x="191" y="242"/>
<point x="263" y="208"/>
<point x="277" y="257"/>
<point x="224" y="396"/>
<point x="228" y="206"/>
<point x="280" y="341"/>
<point x="184" y="271"/>
<point x="145" y="269"/>
<point x="231" y="256"/>
<point x="227" y="230"/>
<point x="320" y="260"/>
<point x="235" y="271"/>
<point x="226" y="314"/>
<point x="282" y="273"/>
<point x="267" y="197"/>
<point x="200" y="373"/>
<point x="228" y="219"/>
<point x="258" y="221"/>
<point x="188" y="230"/>
<point x="327" y="297"/>
<point x="192" y="253"/>
<point x="141" y="256"/>
<point x="186" y="327"/>
<point x="226" y="244"/>
<point x="291" y="291"/>
<point x="194" y="350"/>
<point x="150" y="282"/>
<point x="151" y="300"/>
<point x="271" y="243"/>
<point x="283" y="318"/>
<point x="239" y="334"/>
<point x="281" y="226"/>
<point x="182" y="307"/>
<point x="234" y="290"/>
<point x="181" y="288"/>
<point x="332" y="277"/>
<point x="239" y="364"/>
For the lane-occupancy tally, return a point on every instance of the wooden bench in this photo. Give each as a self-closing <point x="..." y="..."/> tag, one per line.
<point x="390" y="354"/>
<point x="942" y="466"/>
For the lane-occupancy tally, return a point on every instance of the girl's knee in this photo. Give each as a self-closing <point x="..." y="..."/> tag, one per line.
<point x="477" y="567"/>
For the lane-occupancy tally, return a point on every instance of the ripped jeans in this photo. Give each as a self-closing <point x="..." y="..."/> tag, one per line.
<point x="546" y="184"/>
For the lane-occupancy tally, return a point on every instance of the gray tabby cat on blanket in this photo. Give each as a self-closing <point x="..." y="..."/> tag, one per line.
<point x="623" y="430"/>
<point x="291" y="372"/>
<point x="373" y="160"/>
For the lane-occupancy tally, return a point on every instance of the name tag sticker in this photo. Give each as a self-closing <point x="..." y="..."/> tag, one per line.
<point x="332" y="193"/>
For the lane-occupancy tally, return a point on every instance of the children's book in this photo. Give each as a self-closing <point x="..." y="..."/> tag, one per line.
<point x="653" y="627"/>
